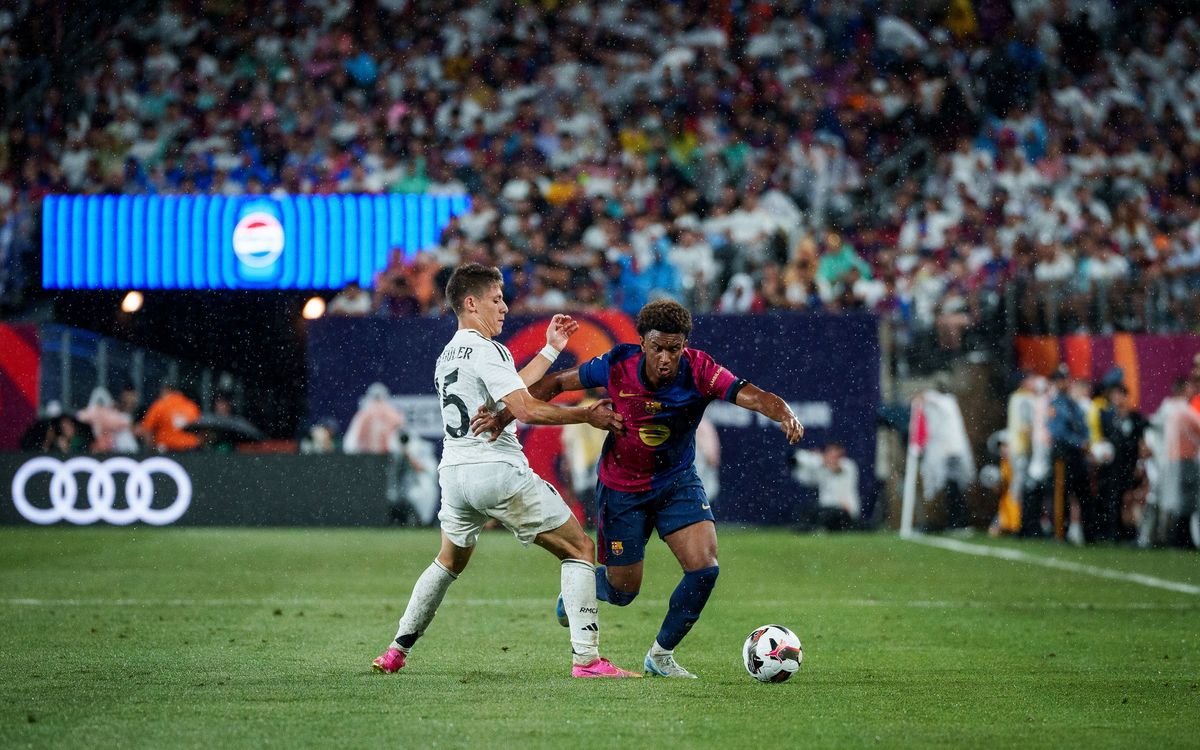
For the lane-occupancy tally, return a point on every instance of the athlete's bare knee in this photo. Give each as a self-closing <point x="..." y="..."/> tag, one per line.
<point x="455" y="565"/>
<point x="626" y="579"/>
<point x="586" y="549"/>
<point x="454" y="558"/>
<point x="568" y="542"/>
<point x="624" y="586"/>
<point x="700" y="561"/>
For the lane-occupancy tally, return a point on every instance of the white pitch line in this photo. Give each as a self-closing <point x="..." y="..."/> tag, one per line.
<point x="1014" y="555"/>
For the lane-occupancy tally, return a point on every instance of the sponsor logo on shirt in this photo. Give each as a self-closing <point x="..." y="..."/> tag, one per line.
<point x="654" y="435"/>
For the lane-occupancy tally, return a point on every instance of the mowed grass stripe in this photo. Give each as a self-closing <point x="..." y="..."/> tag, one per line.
<point x="541" y="602"/>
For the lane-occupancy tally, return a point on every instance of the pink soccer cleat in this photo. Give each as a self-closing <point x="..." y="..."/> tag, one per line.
<point x="601" y="668"/>
<point x="390" y="661"/>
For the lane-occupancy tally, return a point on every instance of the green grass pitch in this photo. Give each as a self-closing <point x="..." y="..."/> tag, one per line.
<point x="250" y="638"/>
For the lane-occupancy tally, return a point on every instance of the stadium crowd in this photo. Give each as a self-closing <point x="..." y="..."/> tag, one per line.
<point x="1078" y="460"/>
<point x="946" y="164"/>
<point x="960" y="167"/>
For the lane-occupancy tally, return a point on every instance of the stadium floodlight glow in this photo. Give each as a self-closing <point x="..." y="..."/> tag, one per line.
<point x="132" y="302"/>
<point x="314" y="308"/>
<point x="234" y="242"/>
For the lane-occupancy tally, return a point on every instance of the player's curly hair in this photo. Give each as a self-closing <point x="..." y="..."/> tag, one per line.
<point x="664" y="316"/>
<point x="471" y="279"/>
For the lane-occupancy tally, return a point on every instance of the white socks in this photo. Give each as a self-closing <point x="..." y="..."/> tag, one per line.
<point x="422" y="605"/>
<point x="657" y="650"/>
<point x="579" y="600"/>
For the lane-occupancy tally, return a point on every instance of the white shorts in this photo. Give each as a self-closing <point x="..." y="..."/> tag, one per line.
<point x="515" y="496"/>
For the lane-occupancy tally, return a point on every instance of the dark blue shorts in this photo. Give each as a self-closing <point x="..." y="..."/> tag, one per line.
<point x="624" y="520"/>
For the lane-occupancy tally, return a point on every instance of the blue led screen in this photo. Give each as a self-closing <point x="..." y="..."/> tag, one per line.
<point x="242" y="242"/>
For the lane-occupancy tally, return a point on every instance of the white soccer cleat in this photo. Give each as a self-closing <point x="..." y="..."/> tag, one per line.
<point x="664" y="665"/>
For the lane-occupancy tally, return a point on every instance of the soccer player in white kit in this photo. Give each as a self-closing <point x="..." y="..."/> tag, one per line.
<point x="483" y="479"/>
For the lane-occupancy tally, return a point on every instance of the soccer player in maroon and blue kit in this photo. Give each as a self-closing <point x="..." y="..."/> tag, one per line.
<point x="647" y="480"/>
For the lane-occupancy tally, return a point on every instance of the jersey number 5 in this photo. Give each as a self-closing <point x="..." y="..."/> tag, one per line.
<point x="449" y="399"/>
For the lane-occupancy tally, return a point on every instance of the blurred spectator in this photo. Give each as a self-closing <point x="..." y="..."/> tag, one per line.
<point x="112" y="429"/>
<point x="1030" y="450"/>
<point x="1123" y="429"/>
<point x="413" y="487"/>
<point x="999" y="478"/>
<point x="582" y="444"/>
<point x="56" y="432"/>
<point x="708" y="458"/>
<point x="321" y="439"/>
<point x="374" y="423"/>
<point x="1180" y="480"/>
<point x="742" y="296"/>
<point x="163" y="426"/>
<point x="947" y="463"/>
<point x="129" y="401"/>
<point x="221" y="430"/>
<point x="352" y="300"/>
<point x="1071" y="440"/>
<point x="835" y="476"/>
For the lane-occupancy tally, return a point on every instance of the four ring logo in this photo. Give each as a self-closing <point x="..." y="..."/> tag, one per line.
<point x="101" y="490"/>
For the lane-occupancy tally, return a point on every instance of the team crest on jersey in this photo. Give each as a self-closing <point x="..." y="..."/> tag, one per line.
<point x="654" y="435"/>
<point x="653" y="407"/>
<point x="617" y="548"/>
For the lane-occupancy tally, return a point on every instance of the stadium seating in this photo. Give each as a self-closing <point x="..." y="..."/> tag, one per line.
<point x="990" y="160"/>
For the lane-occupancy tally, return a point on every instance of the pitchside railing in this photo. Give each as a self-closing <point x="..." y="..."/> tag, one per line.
<point x="74" y="362"/>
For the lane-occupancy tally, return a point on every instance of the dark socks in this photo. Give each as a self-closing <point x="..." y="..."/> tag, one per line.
<point x="687" y="602"/>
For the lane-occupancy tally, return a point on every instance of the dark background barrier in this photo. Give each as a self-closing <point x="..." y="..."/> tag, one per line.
<point x="242" y="490"/>
<point x="826" y="366"/>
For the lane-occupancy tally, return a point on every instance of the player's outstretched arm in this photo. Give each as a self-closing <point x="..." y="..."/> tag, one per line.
<point x="534" y="411"/>
<point x="557" y="334"/>
<point x="544" y="389"/>
<point x="772" y="407"/>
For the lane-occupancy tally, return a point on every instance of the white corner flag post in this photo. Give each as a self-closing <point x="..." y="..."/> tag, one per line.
<point x="917" y="436"/>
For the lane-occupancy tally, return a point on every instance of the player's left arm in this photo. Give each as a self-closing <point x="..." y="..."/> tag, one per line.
<point x="751" y="397"/>
<point x="557" y="333"/>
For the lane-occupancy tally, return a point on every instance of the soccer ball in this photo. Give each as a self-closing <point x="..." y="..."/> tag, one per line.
<point x="772" y="653"/>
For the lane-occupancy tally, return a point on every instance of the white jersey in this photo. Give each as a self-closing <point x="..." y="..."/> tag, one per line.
<point x="475" y="371"/>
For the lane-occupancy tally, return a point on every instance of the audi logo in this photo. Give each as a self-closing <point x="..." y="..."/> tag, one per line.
<point x="101" y="490"/>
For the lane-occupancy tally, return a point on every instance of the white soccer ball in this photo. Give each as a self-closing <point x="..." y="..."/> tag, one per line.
<point x="772" y="653"/>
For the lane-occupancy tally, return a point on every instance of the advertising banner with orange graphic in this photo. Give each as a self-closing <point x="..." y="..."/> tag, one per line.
<point x="20" y="365"/>
<point x="1149" y="363"/>
<point x="826" y="367"/>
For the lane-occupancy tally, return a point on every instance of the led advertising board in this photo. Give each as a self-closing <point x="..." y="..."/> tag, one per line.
<point x="240" y="242"/>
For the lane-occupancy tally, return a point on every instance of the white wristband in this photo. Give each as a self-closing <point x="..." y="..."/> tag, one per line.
<point x="550" y="353"/>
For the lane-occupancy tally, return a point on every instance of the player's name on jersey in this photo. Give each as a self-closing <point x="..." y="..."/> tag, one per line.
<point x="456" y="352"/>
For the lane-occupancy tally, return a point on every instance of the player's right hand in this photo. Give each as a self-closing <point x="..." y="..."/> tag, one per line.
<point x="560" y="329"/>
<point x="601" y="414"/>
<point x="485" y="421"/>
<point x="792" y="429"/>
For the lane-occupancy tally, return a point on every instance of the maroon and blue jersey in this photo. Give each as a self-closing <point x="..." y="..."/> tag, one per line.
<point x="660" y="425"/>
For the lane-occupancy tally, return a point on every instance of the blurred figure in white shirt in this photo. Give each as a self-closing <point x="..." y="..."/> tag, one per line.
<point x="374" y="424"/>
<point x="835" y="476"/>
